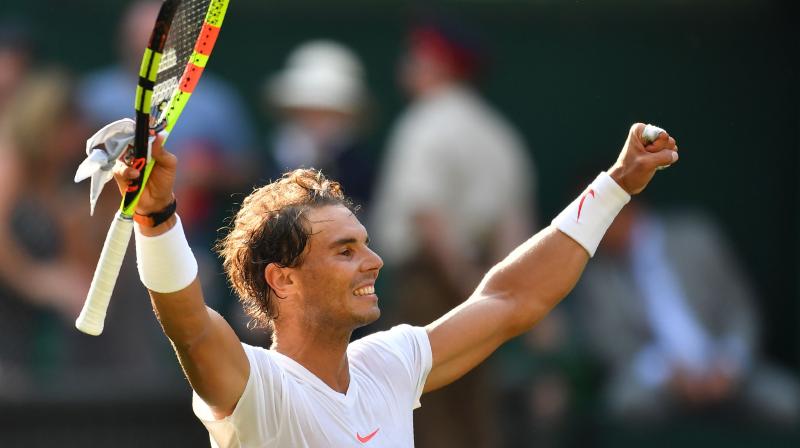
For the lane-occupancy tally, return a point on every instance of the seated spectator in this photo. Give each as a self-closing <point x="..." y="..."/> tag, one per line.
<point x="670" y="313"/>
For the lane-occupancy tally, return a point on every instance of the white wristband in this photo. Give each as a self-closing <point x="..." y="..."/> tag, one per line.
<point x="588" y="217"/>
<point x="166" y="262"/>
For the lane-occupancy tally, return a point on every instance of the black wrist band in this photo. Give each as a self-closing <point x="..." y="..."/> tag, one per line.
<point x="156" y="218"/>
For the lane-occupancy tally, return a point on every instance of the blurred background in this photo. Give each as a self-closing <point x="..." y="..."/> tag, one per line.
<point x="461" y="127"/>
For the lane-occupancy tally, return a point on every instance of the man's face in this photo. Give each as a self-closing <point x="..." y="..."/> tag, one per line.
<point x="336" y="279"/>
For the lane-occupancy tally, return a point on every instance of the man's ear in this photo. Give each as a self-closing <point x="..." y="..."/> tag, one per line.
<point x="279" y="279"/>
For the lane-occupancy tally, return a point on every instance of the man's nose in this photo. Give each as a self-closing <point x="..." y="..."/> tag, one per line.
<point x="374" y="261"/>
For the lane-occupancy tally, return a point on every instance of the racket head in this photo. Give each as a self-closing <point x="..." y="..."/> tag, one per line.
<point x="173" y="62"/>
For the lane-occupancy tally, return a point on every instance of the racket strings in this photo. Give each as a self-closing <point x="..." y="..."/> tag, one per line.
<point x="186" y="27"/>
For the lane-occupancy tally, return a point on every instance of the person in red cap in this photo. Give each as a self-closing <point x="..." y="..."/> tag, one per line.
<point x="457" y="194"/>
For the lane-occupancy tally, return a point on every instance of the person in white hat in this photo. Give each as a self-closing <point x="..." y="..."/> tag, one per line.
<point x="320" y="98"/>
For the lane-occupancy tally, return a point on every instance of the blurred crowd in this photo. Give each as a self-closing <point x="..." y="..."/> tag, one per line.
<point x="663" y="328"/>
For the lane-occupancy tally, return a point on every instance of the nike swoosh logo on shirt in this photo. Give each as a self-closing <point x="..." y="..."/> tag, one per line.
<point x="368" y="437"/>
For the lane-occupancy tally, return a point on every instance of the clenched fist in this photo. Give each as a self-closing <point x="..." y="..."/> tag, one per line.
<point x="158" y="192"/>
<point x="639" y="159"/>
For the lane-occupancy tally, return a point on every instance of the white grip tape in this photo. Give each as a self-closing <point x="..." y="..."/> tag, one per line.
<point x="588" y="217"/>
<point x="651" y="133"/>
<point x="93" y="314"/>
<point x="166" y="262"/>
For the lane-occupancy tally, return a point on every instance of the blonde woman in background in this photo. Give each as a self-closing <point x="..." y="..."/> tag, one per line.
<point x="50" y="247"/>
<point x="44" y="263"/>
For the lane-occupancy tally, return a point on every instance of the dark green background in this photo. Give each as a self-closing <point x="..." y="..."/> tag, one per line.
<point x="721" y="76"/>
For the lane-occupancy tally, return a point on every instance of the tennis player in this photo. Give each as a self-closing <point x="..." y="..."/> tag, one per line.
<point x="301" y="263"/>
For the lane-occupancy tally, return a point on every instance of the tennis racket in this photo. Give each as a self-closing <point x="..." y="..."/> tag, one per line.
<point x="181" y="42"/>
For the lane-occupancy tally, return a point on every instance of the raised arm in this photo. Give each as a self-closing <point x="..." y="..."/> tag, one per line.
<point x="520" y="290"/>
<point x="209" y="351"/>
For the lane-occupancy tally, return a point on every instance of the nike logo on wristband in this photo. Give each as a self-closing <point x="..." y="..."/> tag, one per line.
<point x="580" y="206"/>
<point x="368" y="437"/>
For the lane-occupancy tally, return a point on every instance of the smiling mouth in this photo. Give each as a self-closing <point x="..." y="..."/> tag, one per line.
<point x="364" y="291"/>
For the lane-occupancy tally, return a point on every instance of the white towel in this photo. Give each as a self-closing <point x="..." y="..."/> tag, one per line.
<point x="102" y="151"/>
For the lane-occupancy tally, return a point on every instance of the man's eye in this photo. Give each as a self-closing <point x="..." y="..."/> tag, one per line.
<point x="346" y="252"/>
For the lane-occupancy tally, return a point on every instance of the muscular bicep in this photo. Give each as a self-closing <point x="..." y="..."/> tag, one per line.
<point x="210" y="353"/>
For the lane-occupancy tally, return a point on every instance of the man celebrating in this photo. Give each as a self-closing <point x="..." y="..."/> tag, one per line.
<point x="300" y="260"/>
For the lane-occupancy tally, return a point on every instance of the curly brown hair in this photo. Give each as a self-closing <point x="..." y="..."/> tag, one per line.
<point x="271" y="227"/>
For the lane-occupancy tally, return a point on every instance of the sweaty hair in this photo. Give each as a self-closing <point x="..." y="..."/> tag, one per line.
<point x="271" y="227"/>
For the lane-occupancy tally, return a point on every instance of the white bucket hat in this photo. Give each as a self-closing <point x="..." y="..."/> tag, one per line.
<point x="319" y="74"/>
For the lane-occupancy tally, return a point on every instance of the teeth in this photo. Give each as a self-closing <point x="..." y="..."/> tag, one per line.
<point x="364" y="291"/>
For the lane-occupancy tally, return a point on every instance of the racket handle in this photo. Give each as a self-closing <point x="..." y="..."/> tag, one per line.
<point x="93" y="314"/>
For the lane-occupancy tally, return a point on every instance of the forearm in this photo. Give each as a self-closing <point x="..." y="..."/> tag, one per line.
<point x="536" y="276"/>
<point x="166" y="264"/>
<point x="540" y="272"/>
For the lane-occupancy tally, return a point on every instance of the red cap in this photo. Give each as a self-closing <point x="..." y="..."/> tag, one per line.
<point x="464" y="59"/>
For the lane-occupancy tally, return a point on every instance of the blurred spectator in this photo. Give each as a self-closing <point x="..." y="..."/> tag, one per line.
<point x="669" y="311"/>
<point x="16" y="48"/>
<point x="542" y="374"/>
<point x="321" y="99"/>
<point x="213" y="138"/>
<point x="456" y="195"/>
<point x="50" y="247"/>
<point x="39" y="269"/>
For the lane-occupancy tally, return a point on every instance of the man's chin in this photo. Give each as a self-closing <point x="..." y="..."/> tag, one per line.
<point x="368" y="317"/>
